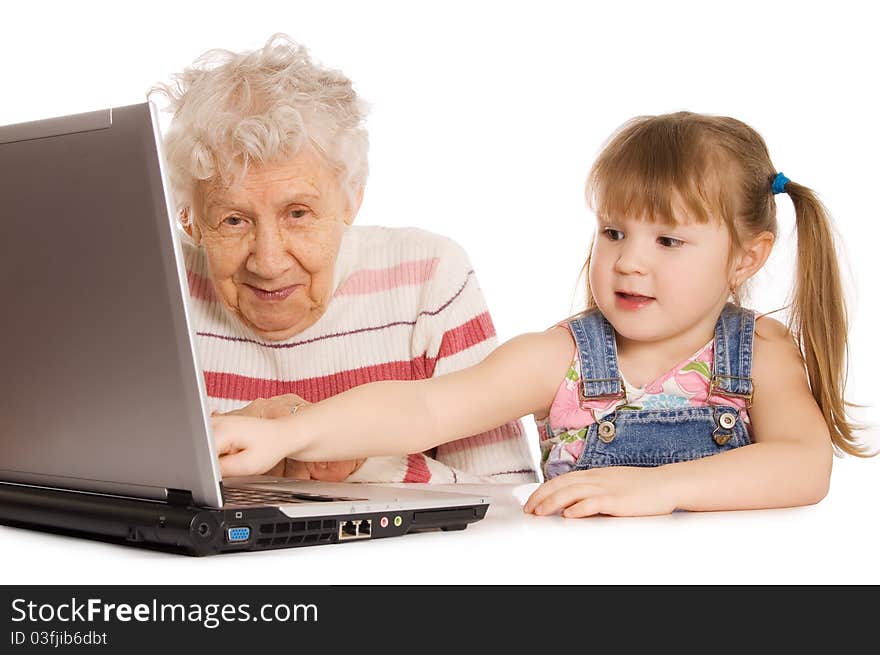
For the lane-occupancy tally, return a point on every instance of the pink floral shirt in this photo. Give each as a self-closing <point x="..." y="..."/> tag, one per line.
<point x="563" y="432"/>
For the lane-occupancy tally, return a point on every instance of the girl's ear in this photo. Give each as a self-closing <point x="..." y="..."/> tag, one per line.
<point x="751" y="258"/>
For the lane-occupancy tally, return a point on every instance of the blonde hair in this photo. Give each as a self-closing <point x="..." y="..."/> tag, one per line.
<point x="232" y="110"/>
<point x="719" y="166"/>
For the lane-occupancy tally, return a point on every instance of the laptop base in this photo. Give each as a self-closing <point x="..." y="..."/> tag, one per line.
<point x="183" y="528"/>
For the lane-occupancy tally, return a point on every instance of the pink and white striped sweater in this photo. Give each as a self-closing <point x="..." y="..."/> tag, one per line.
<point x="406" y="305"/>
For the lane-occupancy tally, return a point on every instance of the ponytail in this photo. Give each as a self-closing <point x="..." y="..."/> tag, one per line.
<point x="818" y="316"/>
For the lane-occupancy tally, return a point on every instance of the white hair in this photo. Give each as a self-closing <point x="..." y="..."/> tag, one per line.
<point x="254" y="107"/>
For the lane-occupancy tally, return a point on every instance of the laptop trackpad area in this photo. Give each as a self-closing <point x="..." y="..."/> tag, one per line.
<point x="286" y="491"/>
<point x="280" y="491"/>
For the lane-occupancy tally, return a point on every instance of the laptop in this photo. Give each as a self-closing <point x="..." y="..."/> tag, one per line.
<point x="104" y="428"/>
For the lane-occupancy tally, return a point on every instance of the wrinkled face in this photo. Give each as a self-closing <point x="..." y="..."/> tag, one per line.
<point x="654" y="281"/>
<point x="272" y="240"/>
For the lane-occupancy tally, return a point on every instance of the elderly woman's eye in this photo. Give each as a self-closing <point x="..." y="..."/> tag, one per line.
<point x="233" y="221"/>
<point x="298" y="213"/>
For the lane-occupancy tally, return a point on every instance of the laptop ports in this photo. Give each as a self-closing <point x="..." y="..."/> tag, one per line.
<point x="355" y="529"/>
<point x="238" y="535"/>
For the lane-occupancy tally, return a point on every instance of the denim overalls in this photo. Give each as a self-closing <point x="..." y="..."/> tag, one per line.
<point x="664" y="436"/>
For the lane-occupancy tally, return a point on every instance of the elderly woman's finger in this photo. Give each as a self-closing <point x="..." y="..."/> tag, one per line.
<point x="290" y="398"/>
<point x="296" y="470"/>
<point x="281" y="406"/>
<point x="333" y="471"/>
<point x="276" y="471"/>
<point x="254" y="409"/>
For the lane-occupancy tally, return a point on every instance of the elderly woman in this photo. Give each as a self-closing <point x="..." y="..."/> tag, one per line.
<point x="267" y="156"/>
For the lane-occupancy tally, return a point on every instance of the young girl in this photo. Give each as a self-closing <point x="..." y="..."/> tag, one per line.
<point x="665" y="394"/>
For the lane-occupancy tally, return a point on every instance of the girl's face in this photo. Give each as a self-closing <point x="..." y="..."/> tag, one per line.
<point x="654" y="281"/>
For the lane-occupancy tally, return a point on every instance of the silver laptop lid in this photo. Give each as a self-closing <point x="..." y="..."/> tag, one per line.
<point x="99" y="389"/>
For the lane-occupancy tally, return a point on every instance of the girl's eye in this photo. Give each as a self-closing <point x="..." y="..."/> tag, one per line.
<point x="611" y="233"/>
<point x="670" y="242"/>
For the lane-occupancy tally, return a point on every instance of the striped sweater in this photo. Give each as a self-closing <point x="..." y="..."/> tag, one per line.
<point x="405" y="306"/>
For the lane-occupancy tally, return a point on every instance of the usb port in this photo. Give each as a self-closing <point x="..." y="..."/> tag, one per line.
<point x="238" y="535"/>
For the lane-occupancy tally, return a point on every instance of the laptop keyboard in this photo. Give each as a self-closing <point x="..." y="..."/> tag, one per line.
<point x="247" y="497"/>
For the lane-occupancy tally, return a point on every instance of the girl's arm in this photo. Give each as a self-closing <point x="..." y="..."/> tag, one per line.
<point x="788" y="464"/>
<point x="385" y="418"/>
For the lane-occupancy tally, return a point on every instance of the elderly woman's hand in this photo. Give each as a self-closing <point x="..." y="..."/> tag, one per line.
<point x="285" y="405"/>
<point x="331" y="471"/>
<point x="269" y="407"/>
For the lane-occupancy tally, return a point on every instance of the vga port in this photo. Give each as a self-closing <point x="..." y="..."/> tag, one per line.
<point x="238" y="535"/>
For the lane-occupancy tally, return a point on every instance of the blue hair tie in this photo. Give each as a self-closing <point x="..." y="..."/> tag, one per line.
<point x="779" y="183"/>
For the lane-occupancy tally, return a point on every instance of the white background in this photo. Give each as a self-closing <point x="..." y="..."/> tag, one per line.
<point x="486" y="116"/>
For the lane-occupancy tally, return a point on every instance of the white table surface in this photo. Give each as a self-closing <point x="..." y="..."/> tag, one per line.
<point x="832" y="542"/>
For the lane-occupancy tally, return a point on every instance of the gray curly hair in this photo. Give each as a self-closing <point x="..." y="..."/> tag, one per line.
<point x="232" y="110"/>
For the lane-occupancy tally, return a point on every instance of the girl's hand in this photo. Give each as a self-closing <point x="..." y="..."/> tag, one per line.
<point x="279" y="407"/>
<point x="247" y="445"/>
<point x="615" y="490"/>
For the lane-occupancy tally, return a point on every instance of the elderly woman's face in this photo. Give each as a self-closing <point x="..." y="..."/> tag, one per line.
<point x="272" y="242"/>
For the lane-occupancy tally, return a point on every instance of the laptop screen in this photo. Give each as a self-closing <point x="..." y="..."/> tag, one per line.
<point x="100" y="388"/>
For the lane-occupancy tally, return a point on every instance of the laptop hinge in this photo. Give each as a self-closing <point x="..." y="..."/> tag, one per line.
<point x="179" y="497"/>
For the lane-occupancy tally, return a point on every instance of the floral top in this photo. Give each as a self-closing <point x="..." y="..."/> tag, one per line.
<point x="564" y="431"/>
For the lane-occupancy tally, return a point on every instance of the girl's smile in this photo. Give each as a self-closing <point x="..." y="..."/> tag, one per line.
<point x="631" y="301"/>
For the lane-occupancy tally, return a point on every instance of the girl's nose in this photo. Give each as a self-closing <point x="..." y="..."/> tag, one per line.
<point x="631" y="259"/>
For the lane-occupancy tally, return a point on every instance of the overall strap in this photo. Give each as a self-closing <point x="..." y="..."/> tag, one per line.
<point x="594" y="336"/>
<point x="734" y="341"/>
